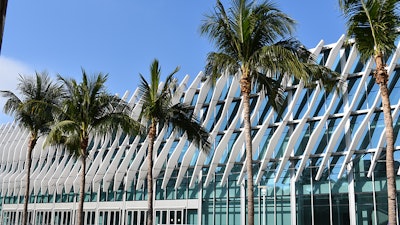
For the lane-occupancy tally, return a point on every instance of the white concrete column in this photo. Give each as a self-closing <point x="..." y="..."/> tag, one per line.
<point x="352" y="199"/>
<point x="200" y="208"/>
<point x="293" y="211"/>
<point x="242" y="203"/>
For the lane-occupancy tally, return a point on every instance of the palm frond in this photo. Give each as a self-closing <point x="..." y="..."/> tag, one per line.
<point x="297" y="48"/>
<point x="170" y="82"/>
<point x="155" y="99"/>
<point x="219" y="64"/>
<point x="329" y="79"/>
<point x="373" y="24"/>
<point x="181" y="118"/>
<point x="66" y="134"/>
<point x="277" y="59"/>
<point x="113" y="114"/>
<point x="270" y="24"/>
<point x="272" y="88"/>
<point x="12" y="103"/>
<point x="88" y="110"/>
<point x="114" y="121"/>
<point x="218" y="27"/>
<point x="157" y="107"/>
<point x="257" y="37"/>
<point x="35" y="109"/>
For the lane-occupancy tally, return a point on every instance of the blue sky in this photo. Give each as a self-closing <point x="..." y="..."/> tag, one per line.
<point x="122" y="37"/>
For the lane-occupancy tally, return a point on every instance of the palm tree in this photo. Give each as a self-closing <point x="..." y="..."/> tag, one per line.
<point x="374" y="26"/>
<point x="88" y="110"/>
<point x="34" y="112"/>
<point x="246" y="37"/>
<point x="158" y="109"/>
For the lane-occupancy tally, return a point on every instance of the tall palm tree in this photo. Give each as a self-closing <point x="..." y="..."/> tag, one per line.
<point x="158" y="109"/>
<point x="86" y="111"/>
<point x="374" y="26"/>
<point x="33" y="111"/>
<point x="253" y="41"/>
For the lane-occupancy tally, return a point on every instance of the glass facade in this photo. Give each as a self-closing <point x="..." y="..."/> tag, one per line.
<point x="321" y="162"/>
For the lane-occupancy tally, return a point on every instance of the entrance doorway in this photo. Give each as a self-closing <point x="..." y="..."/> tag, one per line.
<point x="170" y="217"/>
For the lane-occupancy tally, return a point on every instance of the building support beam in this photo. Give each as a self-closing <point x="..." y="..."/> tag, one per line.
<point x="352" y="197"/>
<point x="293" y="203"/>
<point x="242" y="202"/>
<point x="200" y="208"/>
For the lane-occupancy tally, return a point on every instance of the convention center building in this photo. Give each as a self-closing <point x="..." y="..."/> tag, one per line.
<point x="321" y="162"/>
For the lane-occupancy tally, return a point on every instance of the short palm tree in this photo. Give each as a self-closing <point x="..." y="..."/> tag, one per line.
<point x="88" y="110"/>
<point x="374" y="25"/>
<point x="159" y="110"/>
<point x="253" y="42"/>
<point x="33" y="111"/>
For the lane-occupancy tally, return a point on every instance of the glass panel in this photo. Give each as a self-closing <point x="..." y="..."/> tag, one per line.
<point x="338" y="185"/>
<point x="395" y="87"/>
<point x="164" y="217"/>
<point x="304" y="209"/>
<point x="321" y="209"/>
<point x="352" y="86"/>
<point x="192" y="216"/>
<point x="142" y="217"/>
<point x="301" y="105"/>
<point x="170" y="190"/>
<point x="322" y="186"/>
<point x="158" y="217"/>
<point x="283" y="209"/>
<point x="207" y="212"/>
<point x="368" y="99"/>
<point x="365" y="208"/>
<point x="358" y="65"/>
<point x="135" y="217"/>
<point x="105" y="219"/>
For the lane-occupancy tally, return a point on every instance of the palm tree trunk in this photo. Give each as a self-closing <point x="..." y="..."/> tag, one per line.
<point x="152" y="134"/>
<point x="390" y="173"/>
<point x="82" y="188"/>
<point x="245" y="85"/>
<point x="381" y="78"/>
<point x="31" y="145"/>
<point x="3" y="10"/>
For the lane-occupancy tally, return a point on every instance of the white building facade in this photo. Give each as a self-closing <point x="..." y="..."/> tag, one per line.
<point x="321" y="162"/>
